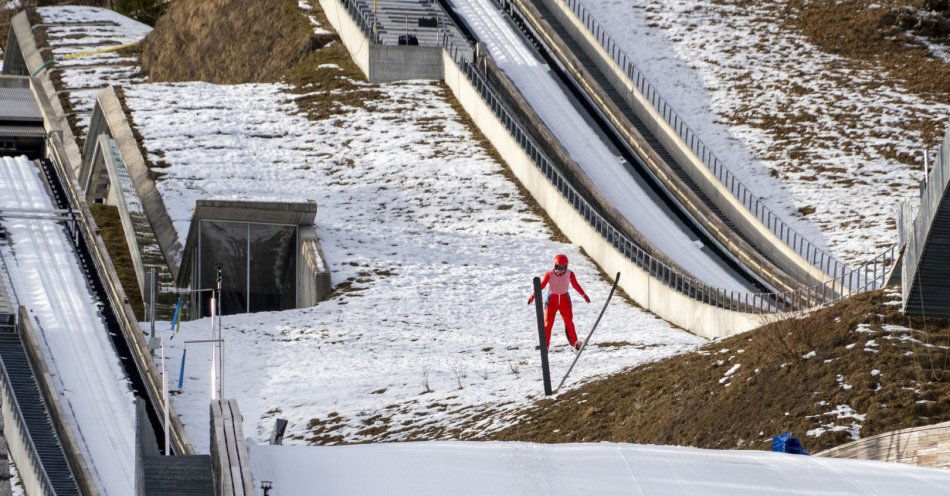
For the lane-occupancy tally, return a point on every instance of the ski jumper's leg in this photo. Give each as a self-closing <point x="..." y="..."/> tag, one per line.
<point x="567" y="313"/>
<point x="550" y="310"/>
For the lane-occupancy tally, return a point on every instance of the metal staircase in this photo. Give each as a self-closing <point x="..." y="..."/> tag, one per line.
<point x="32" y="415"/>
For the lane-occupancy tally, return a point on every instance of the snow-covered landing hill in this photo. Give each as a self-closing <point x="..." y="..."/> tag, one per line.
<point x="422" y="469"/>
<point x="431" y="248"/>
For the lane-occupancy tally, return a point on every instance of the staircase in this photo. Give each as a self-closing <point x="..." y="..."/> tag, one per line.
<point x="32" y="415"/>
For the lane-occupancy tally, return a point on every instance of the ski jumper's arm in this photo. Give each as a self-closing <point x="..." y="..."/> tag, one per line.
<point x="544" y="282"/>
<point x="577" y="287"/>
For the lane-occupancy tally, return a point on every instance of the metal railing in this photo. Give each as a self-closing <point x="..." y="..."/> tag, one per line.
<point x="40" y="470"/>
<point x="816" y="256"/>
<point x="916" y="229"/>
<point x="872" y="275"/>
<point x="363" y="17"/>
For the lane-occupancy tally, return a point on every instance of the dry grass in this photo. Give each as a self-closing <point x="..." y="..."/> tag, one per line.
<point x="113" y="236"/>
<point x="227" y="41"/>
<point x="682" y="401"/>
<point x="877" y="34"/>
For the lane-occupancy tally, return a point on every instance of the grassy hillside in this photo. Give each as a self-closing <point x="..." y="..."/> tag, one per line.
<point x="855" y="369"/>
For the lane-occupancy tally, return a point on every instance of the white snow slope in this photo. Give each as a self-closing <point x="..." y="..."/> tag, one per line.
<point x="606" y="169"/>
<point x="470" y="468"/>
<point x="431" y="248"/>
<point x="729" y="68"/>
<point x="48" y="280"/>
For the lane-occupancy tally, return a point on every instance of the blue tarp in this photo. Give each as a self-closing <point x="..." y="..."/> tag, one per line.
<point x="785" y="443"/>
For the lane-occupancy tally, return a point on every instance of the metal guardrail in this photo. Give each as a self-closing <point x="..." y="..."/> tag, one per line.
<point x="872" y="275"/>
<point x="808" y="250"/>
<point x="33" y="453"/>
<point x="44" y="478"/>
<point x="915" y="229"/>
<point x="363" y="18"/>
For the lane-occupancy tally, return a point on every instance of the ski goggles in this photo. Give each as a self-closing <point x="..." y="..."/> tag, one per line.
<point x="560" y="267"/>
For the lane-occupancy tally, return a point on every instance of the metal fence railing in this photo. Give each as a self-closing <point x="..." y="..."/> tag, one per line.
<point x="818" y="257"/>
<point x="916" y="228"/>
<point x="364" y="17"/>
<point x="871" y="275"/>
<point x="32" y="451"/>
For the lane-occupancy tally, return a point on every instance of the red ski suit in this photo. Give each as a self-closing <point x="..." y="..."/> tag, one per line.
<point x="560" y="300"/>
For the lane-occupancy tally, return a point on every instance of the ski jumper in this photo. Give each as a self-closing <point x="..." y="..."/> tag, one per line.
<point x="559" y="300"/>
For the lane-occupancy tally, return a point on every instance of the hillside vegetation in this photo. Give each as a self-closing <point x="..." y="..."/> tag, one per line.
<point x="852" y="370"/>
<point x="225" y="41"/>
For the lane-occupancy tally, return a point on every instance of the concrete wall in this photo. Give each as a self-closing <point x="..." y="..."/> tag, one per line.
<point x="783" y="255"/>
<point x="389" y="63"/>
<point x="676" y="308"/>
<point x="927" y="446"/>
<point x="109" y="116"/>
<point x="55" y="121"/>
<point x="353" y="38"/>
<point x="313" y="275"/>
<point x="229" y="458"/>
<point x="116" y="198"/>
<point x="382" y="63"/>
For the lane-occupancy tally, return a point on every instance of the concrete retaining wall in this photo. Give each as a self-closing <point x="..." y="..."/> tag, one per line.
<point x="108" y="116"/>
<point x="760" y="235"/>
<point x="388" y="63"/>
<point x="699" y="318"/>
<point x="927" y="446"/>
<point x="382" y="63"/>
<point x="56" y="121"/>
<point x="313" y="275"/>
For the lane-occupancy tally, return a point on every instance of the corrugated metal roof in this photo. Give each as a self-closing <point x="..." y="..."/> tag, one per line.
<point x="17" y="104"/>
<point x="21" y="131"/>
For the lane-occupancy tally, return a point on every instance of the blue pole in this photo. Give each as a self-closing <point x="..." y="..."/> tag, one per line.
<point x="181" y="371"/>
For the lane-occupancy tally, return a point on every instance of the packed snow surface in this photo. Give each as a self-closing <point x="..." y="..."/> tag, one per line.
<point x="430" y="247"/>
<point x="471" y="468"/>
<point x="48" y="280"/>
<point x="626" y="191"/>
<point x="840" y="140"/>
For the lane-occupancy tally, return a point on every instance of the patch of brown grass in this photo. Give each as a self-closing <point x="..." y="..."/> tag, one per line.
<point x="878" y="33"/>
<point x="113" y="236"/>
<point x="227" y="41"/>
<point x="683" y="400"/>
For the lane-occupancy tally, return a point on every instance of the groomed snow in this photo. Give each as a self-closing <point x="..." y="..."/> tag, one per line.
<point x="48" y="280"/>
<point x="430" y="246"/>
<point x="728" y="67"/>
<point x="469" y="468"/>
<point x="608" y="171"/>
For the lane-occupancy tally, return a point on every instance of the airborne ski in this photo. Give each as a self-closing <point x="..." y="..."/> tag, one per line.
<point x="589" y="334"/>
